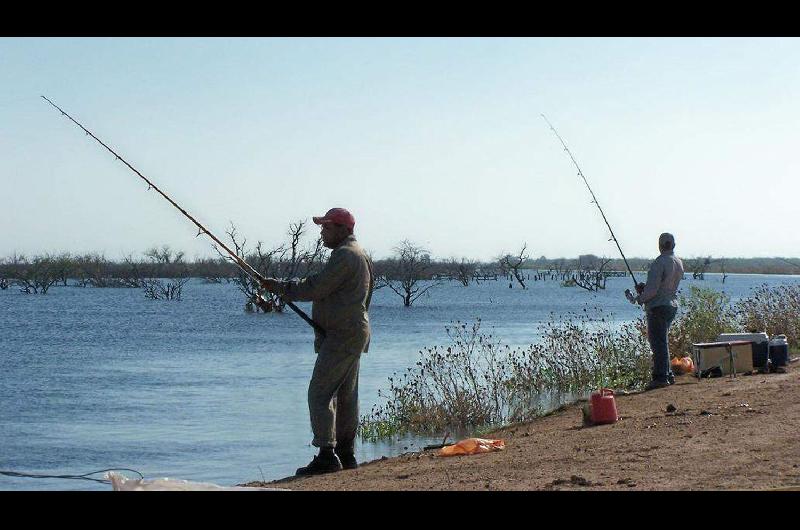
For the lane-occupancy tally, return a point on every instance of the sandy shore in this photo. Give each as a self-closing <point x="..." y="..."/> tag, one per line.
<point x="725" y="433"/>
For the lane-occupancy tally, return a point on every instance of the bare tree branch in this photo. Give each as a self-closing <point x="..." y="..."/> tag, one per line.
<point x="410" y="265"/>
<point x="286" y="261"/>
<point x="512" y="264"/>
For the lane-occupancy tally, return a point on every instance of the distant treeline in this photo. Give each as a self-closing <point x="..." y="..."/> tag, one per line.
<point x="93" y="269"/>
<point x="709" y="264"/>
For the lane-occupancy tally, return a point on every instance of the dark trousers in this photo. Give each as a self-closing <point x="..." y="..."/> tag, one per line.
<point x="658" y="321"/>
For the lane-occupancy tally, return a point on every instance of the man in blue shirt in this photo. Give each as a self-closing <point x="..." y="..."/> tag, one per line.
<point x="659" y="297"/>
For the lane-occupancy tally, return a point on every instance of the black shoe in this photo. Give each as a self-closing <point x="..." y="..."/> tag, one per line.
<point x="671" y="380"/>
<point x="324" y="462"/>
<point x="347" y="458"/>
<point x="652" y="385"/>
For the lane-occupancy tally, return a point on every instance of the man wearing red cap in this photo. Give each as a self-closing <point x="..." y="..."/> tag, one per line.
<point x="341" y="294"/>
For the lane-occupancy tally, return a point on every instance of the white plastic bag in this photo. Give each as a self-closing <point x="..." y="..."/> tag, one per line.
<point x="121" y="483"/>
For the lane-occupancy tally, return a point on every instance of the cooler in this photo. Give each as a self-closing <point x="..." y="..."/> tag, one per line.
<point x="731" y="357"/>
<point x="760" y="345"/>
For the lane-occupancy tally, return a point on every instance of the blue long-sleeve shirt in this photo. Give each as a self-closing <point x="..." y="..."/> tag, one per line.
<point x="663" y="278"/>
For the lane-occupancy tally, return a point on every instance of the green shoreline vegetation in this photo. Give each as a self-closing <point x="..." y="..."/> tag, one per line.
<point x="476" y="383"/>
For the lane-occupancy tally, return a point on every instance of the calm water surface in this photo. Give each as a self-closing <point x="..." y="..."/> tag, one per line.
<point x="201" y="390"/>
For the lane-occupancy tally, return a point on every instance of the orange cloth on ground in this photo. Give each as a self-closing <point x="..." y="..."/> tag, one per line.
<point x="682" y="365"/>
<point x="472" y="446"/>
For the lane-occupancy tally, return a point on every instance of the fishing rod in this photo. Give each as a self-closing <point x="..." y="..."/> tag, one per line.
<point x="243" y="265"/>
<point x="594" y="199"/>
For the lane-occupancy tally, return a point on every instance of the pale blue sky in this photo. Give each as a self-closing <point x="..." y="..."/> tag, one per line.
<point x="436" y="140"/>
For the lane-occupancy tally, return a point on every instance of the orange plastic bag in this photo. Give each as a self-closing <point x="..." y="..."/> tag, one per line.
<point x="688" y="365"/>
<point x="472" y="446"/>
<point x="676" y="365"/>
<point x="683" y="365"/>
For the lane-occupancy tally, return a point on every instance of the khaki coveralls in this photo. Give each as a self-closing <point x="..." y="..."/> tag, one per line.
<point x="341" y="294"/>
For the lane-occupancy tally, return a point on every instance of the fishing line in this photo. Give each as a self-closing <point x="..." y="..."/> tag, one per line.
<point x="594" y="199"/>
<point x="85" y="476"/>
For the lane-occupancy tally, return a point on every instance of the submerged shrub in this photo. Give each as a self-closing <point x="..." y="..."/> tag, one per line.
<point x="459" y="386"/>
<point x="477" y="381"/>
<point x="579" y="354"/>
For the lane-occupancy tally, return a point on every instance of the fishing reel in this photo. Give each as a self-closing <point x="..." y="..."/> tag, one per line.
<point x="629" y="296"/>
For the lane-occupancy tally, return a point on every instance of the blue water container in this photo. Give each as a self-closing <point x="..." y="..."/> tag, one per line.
<point x="779" y="350"/>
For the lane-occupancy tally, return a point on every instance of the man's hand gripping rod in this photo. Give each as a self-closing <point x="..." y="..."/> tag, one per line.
<point x="246" y="268"/>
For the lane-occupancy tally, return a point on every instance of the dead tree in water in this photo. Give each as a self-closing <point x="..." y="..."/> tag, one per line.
<point x="403" y="273"/>
<point x="4" y="283"/>
<point x="157" y="289"/>
<point x="463" y="270"/>
<point x="87" y="268"/>
<point x="95" y="271"/>
<point x="133" y="272"/>
<point x="296" y="262"/>
<point x="559" y="269"/>
<point x="699" y="267"/>
<point x="165" y="262"/>
<point x="286" y="261"/>
<point x="165" y="255"/>
<point x="63" y="267"/>
<point x="512" y="264"/>
<point x="591" y="273"/>
<point x="35" y="276"/>
<point x="261" y="261"/>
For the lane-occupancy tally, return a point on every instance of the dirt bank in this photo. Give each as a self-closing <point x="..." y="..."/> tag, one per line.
<point x="741" y="433"/>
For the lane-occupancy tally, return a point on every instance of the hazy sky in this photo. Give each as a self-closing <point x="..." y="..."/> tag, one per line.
<point x="435" y="140"/>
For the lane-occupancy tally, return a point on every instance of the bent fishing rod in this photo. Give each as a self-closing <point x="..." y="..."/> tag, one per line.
<point x="243" y="265"/>
<point x="594" y="199"/>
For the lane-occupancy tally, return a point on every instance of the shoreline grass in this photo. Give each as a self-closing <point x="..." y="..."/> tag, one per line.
<point x="478" y="384"/>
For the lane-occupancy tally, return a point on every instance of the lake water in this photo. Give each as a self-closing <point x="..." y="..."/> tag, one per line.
<point x="198" y="389"/>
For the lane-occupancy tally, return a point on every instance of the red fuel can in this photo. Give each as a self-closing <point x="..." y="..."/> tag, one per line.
<point x="604" y="407"/>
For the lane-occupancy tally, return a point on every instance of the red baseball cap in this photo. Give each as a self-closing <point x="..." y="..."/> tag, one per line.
<point x="337" y="215"/>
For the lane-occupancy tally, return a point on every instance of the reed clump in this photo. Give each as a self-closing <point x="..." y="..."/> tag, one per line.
<point x="476" y="381"/>
<point x="775" y="310"/>
<point x="704" y="314"/>
<point x="707" y="313"/>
